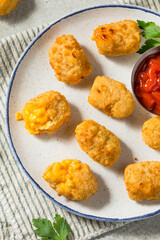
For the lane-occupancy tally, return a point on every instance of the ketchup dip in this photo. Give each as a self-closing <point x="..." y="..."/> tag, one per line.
<point x="147" y="83"/>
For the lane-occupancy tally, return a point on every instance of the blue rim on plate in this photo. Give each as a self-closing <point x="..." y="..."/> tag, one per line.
<point x="7" y="114"/>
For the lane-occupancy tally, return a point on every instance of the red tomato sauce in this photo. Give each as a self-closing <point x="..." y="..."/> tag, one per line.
<point x="147" y="84"/>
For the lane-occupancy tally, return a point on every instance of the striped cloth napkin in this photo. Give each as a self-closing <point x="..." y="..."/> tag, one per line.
<point x="20" y="201"/>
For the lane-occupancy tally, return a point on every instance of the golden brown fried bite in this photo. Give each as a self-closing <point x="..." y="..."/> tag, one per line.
<point x="6" y="6"/>
<point x="71" y="178"/>
<point x="142" y="180"/>
<point x="98" y="142"/>
<point x="151" y="133"/>
<point x="68" y="60"/>
<point x="115" y="39"/>
<point x="45" y="113"/>
<point x="111" y="97"/>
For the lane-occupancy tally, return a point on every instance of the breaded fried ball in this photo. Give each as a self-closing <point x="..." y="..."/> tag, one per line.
<point x="115" y="39"/>
<point x="151" y="133"/>
<point x="6" y="6"/>
<point x="45" y="113"/>
<point x="98" y="142"/>
<point x="68" y="60"/>
<point x="111" y="97"/>
<point x="142" y="180"/>
<point x="71" y="178"/>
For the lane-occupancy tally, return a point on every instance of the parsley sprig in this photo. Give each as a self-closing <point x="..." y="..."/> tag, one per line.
<point x="151" y="32"/>
<point x="59" y="230"/>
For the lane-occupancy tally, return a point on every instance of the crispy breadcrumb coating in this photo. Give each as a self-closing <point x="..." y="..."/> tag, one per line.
<point x="68" y="60"/>
<point x="45" y="113"/>
<point x="151" y="133"/>
<point x="111" y="97"/>
<point x="115" y="39"/>
<point x="71" y="178"/>
<point x="98" y="142"/>
<point x="142" y="180"/>
<point x="6" y="6"/>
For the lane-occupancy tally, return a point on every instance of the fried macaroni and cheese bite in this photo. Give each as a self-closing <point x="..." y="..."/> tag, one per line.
<point x="6" y="6"/>
<point x="151" y="133"/>
<point x="45" y="113"/>
<point x="111" y="97"/>
<point x="142" y="180"/>
<point x="115" y="39"/>
<point x="98" y="142"/>
<point x="68" y="60"/>
<point x="71" y="178"/>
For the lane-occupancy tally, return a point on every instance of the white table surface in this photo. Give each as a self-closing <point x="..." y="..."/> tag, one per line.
<point x="30" y="13"/>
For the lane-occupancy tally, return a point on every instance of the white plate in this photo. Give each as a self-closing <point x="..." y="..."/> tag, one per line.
<point x="33" y="75"/>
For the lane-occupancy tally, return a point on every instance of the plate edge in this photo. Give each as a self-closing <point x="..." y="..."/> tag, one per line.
<point x="7" y="112"/>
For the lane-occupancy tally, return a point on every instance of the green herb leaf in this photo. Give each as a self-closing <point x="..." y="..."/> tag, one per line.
<point x="45" y="228"/>
<point x="141" y="24"/>
<point x="150" y="29"/>
<point x="147" y="45"/>
<point x="61" y="227"/>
